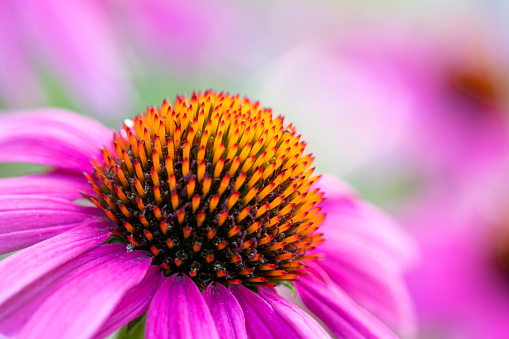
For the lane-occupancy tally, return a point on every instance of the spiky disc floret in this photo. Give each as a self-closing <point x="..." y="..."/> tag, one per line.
<point x="214" y="187"/>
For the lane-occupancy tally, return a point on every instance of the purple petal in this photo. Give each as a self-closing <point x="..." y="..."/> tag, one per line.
<point x="18" y="309"/>
<point x="55" y="137"/>
<point x="135" y="302"/>
<point x="27" y="219"/>
<point x="58" y="184"/>
<point x="226" y="311"/>
<point x="178" y="310"/>
<point x="24" y="267"/>
<point x="262" y="321"/>
<point x="339" y="312"/>
<point x="79" y="307"/>
<point x="303" y="323"/>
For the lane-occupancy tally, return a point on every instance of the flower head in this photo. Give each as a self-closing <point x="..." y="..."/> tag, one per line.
<point x="216" y="188"/>
<point x="201" y="208"/>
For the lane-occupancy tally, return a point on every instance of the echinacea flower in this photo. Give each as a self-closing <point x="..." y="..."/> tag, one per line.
<point x="461" y="287"/>
<point x="199" y="210"/>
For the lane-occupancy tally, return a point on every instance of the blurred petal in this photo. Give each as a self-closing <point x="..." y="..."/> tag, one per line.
<point x="45" y="257"/>
<point x="52" y="137"/>
<point x="58" y="184"/>
<point x="135" y="302"/>
<point x="379" y="288"/>
<point x="179" y="33"/>
<point x="28" y="219"/>
<point x="226" y="311"/>
<point x="353" y="224"/>
<point x="293" y="315"/>
<point x="18" y="85"/>
<point x="366" y="254"/>
<point x="178" y="310"/>
<point x="93" y="72"/>
<point x="339" y="312"/>
<point x="85" y="302"/>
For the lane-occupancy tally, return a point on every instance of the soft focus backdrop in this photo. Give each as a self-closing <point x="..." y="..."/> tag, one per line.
<point x="406" y="100"/>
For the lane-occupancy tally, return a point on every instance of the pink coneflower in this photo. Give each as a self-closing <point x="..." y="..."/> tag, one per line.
<point x="201" y="209"/>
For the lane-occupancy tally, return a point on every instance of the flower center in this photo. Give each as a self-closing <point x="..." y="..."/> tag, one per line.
<point x="214" y="187"/>
<point x="502" y="253"/>
<point x="477" y="84"/>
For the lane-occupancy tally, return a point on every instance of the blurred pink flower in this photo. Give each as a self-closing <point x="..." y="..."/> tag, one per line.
<point x="406" y="100"/>
<point x="461" y="286"/>
<point x="459" y="86"/>
<point x="65" y="281"/>
<point x="458" y="148"/>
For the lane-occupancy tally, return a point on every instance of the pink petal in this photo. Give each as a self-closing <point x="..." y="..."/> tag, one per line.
<point x="366" y="254"/>
<point x="226" y="311"/>
<point x="378" y="287"/>
<point x="19" y="308"/>
<point x="93" y="72"/>
<point x="79" y="307"/>
<point x="352" y="223"/>
<point x="135" y="302"/>
<point x="178" y="310"/>
<point x="52" y="137"/>
<point x="302" y="322"/>
<point x="339" y="312"/>
<point x="27" y="219"/>
<point x="18" y="84"/>
<point x="24" y="267"/>
<point x="262" y="320"/>
<point x="58" y="184"/>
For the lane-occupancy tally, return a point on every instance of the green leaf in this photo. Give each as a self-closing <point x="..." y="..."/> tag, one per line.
<point x="290" y="286"/>
<point x="134" y="330"/>
<point x="115" y="239"/>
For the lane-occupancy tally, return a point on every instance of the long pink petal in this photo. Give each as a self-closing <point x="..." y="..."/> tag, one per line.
<point x="226" y="311"/>
<point x="135" y="302"/>
<point x="303" y="323"/>
<point x="262" y="320"/>
<point x="378" y="287"/>
<point x="339" y="312"/>
<point x="58" y="184"/>
<point x="178" y="310"/>
<point x="19" y="308"/>
<point x="24" y="267"/>
<point x="52" y="137"/>
<point x="78" y="308"/>
<point x="366" y="254"/>
<point x="28" y="219"/>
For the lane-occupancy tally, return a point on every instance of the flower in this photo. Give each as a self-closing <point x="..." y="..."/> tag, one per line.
<point x="461" y="286"/>
<point x="199" y="210"/>
<point x="446" y="92"/>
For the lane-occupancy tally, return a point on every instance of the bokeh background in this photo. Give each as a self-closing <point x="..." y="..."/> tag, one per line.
<point x="405" y="100"/>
